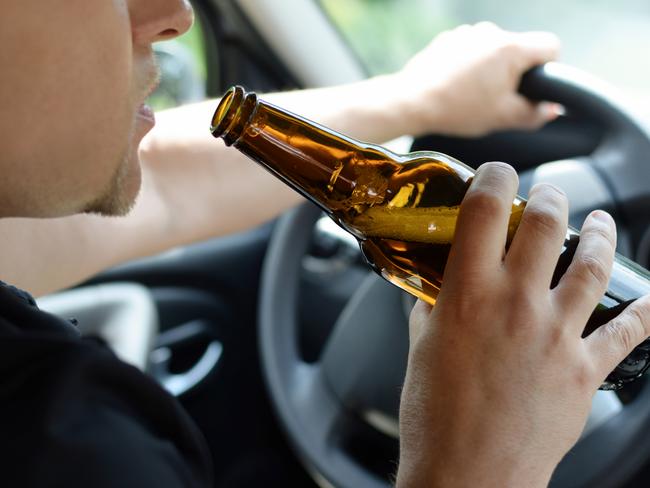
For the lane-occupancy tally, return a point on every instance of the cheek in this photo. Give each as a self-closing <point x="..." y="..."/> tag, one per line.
<point x="69" y="95"/>
<point x="106" y="122"/>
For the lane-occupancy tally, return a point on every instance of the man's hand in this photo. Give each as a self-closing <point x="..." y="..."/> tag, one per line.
<point x="499" y="381"/>
<point x="465" y="81"/>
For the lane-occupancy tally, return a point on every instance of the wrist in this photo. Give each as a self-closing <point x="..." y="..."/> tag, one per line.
<point x="430" y="469"/>
<point x="414" y="111"/>
<point x="463" y="478"/>
<point x="388" y="104"/>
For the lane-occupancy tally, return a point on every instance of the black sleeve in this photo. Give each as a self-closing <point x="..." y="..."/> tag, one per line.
<point x="71" y="414"/>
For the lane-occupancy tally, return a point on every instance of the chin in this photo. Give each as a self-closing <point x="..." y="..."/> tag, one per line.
<point x="122" y="192"/>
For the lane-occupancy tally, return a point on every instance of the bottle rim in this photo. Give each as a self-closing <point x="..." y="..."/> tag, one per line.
<point x="225" y="113"/>
<point x="233" y="114"/>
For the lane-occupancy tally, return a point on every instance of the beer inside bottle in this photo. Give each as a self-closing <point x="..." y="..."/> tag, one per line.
<point x="401" y="208"/>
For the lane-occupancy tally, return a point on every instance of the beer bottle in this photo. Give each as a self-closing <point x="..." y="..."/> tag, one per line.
<point x="401" y="208"/>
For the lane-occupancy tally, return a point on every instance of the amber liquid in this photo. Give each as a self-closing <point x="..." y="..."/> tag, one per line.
<point x="406" y="232"/>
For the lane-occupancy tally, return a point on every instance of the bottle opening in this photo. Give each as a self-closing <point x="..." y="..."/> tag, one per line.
<point x="233" y="114"/>
<point x="226" y="111"/>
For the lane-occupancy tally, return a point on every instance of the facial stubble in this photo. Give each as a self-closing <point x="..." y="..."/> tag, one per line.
<point x="115" y="201"/>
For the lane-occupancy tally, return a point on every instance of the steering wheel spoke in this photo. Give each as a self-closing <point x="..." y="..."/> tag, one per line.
<point x="311" y="394"/>
<point x="364" y="360"/>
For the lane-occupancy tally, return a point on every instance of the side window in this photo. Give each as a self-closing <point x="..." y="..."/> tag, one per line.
<point x="608" y="39"/>
<point x="386" y="33"/>
<point x="183" y="66"/>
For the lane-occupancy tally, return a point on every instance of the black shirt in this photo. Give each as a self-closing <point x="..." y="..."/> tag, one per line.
<point x="72" y="414"/>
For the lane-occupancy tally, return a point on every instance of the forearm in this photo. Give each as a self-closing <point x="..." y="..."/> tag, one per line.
<point x="209" y="189"/>
<point x="374" y="110"/>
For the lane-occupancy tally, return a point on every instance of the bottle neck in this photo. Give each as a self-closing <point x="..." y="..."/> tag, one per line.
<point x="310" y="158"/>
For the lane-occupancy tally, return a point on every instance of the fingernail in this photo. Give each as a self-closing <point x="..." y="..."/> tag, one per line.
<point x="558" y="109"/>
<point x="603" y="217"/>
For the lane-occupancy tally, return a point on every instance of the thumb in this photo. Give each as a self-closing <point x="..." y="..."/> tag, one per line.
<point x="418" y="319"/>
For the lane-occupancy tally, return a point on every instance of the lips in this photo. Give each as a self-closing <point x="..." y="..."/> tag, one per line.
<point x="146" y="112"/>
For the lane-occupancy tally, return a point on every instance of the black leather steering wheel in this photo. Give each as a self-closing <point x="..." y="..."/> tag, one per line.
<point x="359" y="374"/>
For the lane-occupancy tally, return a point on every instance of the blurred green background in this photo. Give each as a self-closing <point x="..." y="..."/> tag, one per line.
<point x="182" y="61"/>
<point x="385" y="33"/>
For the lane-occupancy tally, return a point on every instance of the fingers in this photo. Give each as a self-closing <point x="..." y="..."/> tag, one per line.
<point x="525" y="114"/>
<point x="481" y="230"/>
<point x="585" y="281"/>
<point x="528" y="48"/>
<point x="539" y="239"/>
<point x="612" y="342"/>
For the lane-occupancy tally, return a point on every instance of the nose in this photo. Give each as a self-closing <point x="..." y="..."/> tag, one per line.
<point x="159" y="20"/>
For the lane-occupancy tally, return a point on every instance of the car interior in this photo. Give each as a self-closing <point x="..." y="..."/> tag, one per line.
<point x="283" y="346"/>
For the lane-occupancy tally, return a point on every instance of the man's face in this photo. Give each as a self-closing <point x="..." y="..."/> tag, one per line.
<point x="75" y="74"/>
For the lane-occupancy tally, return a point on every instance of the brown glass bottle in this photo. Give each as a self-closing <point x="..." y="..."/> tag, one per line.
<point x="401" y="208"/>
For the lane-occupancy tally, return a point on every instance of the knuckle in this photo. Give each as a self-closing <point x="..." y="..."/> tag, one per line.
<point x="591" y="268"/>
<point x="550" y="195"/>
<point x="508" y="49"/>
<point x="582" y="376"/>
<point x="487" y="194"/>
<point x="601" y="232"/>
<point x="521" y="318"/>
<point x="555" y="337"/>
<point x="483" y="201"/>
<point x="554" y="193"/>
<point x="640" y="315"/>
<point x="624" y="333"/>
<point x="461" y="307"/>
<point x="544" y="219"/>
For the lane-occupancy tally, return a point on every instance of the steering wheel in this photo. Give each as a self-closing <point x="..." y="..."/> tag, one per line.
<point x="354" y="386"/>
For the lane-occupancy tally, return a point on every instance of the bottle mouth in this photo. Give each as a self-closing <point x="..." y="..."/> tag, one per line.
<point x="226" y="110"/>
<point x="232" y="113"/>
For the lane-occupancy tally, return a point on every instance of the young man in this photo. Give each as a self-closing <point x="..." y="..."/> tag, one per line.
<point x="75" y="76"/>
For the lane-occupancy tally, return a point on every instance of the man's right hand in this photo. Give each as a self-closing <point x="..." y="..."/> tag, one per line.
<point x="499" y="381"/>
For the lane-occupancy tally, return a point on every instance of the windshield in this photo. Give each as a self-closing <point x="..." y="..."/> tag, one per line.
<point x="608" y="39"/>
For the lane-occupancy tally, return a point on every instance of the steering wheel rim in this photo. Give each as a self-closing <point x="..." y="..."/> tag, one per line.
<point x="621" y="156"/>
<point x="314" y="406"/>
